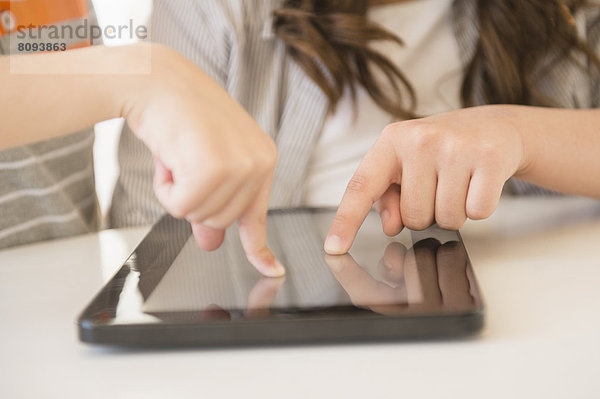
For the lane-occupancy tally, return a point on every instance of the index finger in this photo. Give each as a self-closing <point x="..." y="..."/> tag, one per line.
<point x="374" y="175"/>
<point x="252" y="226"/>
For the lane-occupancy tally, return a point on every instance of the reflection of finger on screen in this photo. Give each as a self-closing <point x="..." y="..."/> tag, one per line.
<point x="452" y="276"/>
<point x="361" y="287"/>
<point x="214" y="312"/>
<point x="262" y="295"/>
<point x="392" y="265"/>
<point x="421" y="274"/>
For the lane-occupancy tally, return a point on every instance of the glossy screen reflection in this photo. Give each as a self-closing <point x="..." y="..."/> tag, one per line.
<point x="172" y="279"/>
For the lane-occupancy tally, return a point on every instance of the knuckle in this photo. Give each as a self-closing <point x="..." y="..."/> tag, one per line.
<point x="421" y="136"/>
<point x="390" y="131"/>
<point x="219" y="222"/>
<point x="255" y="218"/>
<point x="273" y="153"/>
<point x="421" y="141"/>
<point x="194" y="217"/>
<point x="392" y="229"/>
<point x="272" y="162"/>
<point x="177" y="210"/>
<point x="216" y="172"/>
<point x="266" y="165"/>
<point x="451" y="147"/>
<point x="245" y="167"/>
<point x="479" y="211"/>
<point x="416" y="222"/>
<point x="449" y="220"/>
<point x="357" y="184"/>
<point x="261" y="254"/>
<point x="342" y="219"/>
<point x="450" y="224"/>
<point x="214" y="161"/>
<point x="260" y="218"/>
<point x="265" y="161"/>
<point x="245" y="163"/>
<point x="489" y="153"/>
<point x="268" y="152"/>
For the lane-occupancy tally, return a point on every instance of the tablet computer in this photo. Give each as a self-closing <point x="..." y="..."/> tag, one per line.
<point x="171" y="293"/>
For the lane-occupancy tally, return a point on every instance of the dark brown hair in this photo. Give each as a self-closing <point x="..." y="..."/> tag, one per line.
<point x="330" y="40"/>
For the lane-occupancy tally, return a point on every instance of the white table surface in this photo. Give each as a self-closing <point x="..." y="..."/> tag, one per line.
<point x="538" y="263"/>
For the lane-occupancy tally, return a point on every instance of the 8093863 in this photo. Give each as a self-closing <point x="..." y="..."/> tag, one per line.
<point x="41" y="47"/>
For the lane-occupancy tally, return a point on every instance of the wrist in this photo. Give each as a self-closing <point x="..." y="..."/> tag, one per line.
<point x="132" y="80"/>
<point x="526" y="122"/>
<point x="519" y="119"/>
<point x="168" y="85"/>
<point x="139" y="91"/>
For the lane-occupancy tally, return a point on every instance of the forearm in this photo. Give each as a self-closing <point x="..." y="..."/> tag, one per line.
<point x="562" y="149"/>
<point x="61" y="93"/>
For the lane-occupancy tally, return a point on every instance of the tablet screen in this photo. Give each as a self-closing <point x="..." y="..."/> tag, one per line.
<point x="168" y="278"/>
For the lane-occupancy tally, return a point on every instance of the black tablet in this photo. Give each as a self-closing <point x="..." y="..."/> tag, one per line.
<point x="170" y="293"/>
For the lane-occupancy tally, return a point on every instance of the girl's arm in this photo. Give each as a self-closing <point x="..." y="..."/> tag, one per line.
<point x="214" y="165"/>
<point x="451" y="166"/>
<point x="54" y="94"/>
<point x="562" y="149"/>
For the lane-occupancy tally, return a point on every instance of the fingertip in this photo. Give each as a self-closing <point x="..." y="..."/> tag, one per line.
<point x="334" y="245"/>
<point x="270" y="269"/>
<point x="208" y="239"/>
<point x="391" y="227"/>
<point x="276" y="271"/>
<point x="266" y="263"/>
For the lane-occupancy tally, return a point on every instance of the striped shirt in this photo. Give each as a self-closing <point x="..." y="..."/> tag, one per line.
<point x="233" y="41"/>
<point x="46" y="189"/>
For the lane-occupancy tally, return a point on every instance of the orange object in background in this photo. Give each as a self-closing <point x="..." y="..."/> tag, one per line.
<point x="39" y="13"/>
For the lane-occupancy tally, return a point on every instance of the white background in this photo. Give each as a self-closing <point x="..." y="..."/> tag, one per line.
<point x="113" y="12"/>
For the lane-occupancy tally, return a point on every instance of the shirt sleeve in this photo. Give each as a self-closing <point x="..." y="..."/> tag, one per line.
<point x="199" y="30"/>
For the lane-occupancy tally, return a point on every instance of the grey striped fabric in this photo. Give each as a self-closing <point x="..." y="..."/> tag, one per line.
<point x="47" y="189"/>
<point x="233" y="42"/>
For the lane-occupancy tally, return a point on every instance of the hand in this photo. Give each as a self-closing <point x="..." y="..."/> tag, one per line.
<point x="213" y="163"/>
<point x="429" y="276"/>
<point x="443" y="168"/>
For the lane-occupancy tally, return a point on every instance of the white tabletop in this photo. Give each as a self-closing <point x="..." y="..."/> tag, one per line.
<point x="537" y="261"/>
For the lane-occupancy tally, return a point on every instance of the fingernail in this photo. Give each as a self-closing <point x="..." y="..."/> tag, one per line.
<point x="279" y="268"/>
<point x="334" y="245"/>
<point x="276" y="270"/>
